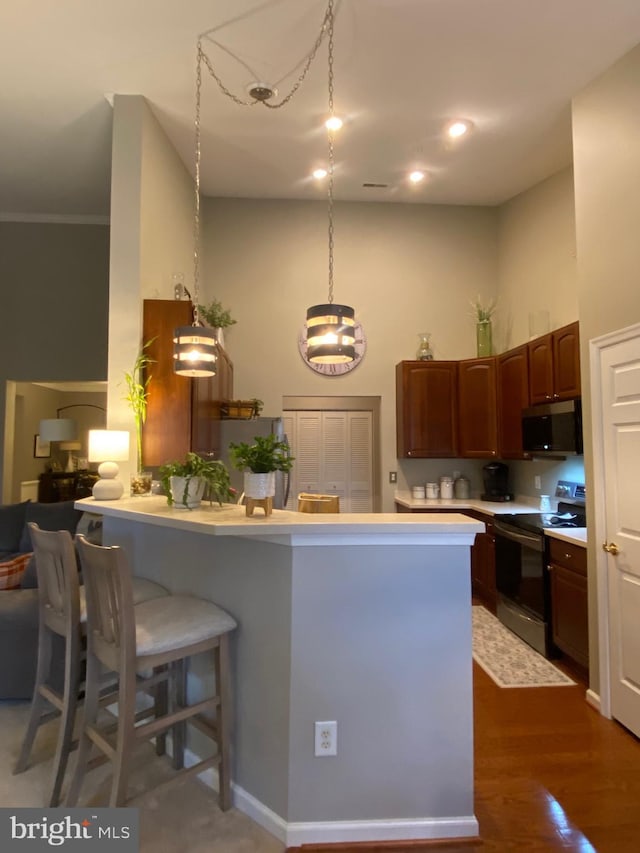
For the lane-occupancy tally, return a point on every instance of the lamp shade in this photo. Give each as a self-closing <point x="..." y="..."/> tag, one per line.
<point x="58" y="429"/>
<point x="330" y="334"/>
<point x="194" y="351"/>
<point x="108" y="445"/>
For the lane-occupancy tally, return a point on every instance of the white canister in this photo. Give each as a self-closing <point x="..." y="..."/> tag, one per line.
<point x="446" y="488"/>
<point x="432" y="490"/>
<point x="545" y="503"/>
<point x="418" y="493"/>
<point x="461" y="488"/>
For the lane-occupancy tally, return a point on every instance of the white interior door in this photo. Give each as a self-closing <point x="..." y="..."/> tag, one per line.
<point x="620" y="388"/>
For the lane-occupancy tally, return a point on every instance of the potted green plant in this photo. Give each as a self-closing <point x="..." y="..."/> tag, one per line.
<point x="137" y="394"/>
<point x="260" y="461"/>
<point x="185" y="482"/>
<point x="217" y="317"/>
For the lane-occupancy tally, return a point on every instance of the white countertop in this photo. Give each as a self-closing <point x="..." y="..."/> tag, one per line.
<point x="404" y="498"/>
<point x="231" y="520"/>
<point x="575" y="535"/>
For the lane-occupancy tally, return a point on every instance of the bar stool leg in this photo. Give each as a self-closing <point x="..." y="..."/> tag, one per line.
<point x="161" y="699"/>
<point x="179" y="700"/>
<point x="92" y="695"/>
<point x="125" y="738"/>
<point x="223" y="722"/>
<point x="45" y="638"/>
<point x="69" y="705"/>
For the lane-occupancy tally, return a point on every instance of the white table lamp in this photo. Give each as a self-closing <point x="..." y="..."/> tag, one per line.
<point x="108" y="446"/>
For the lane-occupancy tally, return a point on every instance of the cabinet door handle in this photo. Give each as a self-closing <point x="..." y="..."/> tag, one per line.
<point x="611" y="548"/>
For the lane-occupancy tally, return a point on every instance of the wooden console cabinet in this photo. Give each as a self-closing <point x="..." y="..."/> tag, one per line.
<point x="183" y="414"/>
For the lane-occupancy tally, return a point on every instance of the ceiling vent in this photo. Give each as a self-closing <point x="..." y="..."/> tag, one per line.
<point x="370" y="185"/>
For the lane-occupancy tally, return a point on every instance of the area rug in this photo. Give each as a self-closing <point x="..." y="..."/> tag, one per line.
<point x="507" y="659"/>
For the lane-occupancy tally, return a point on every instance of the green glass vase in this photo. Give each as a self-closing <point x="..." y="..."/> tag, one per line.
<point x="483" y="338"/>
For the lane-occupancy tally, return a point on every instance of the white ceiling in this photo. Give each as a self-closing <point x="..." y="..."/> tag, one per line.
<point x="402" y="69"/>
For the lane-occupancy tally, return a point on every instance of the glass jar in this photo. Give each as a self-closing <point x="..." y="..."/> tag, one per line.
<point x="424" y="352"/>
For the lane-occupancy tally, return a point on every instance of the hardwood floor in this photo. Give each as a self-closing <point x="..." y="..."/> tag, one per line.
<point x="551" y="774"/>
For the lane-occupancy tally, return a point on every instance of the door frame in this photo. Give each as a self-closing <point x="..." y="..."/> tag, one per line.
<point x="354" y="403"/>
<point x="597" y="346"/>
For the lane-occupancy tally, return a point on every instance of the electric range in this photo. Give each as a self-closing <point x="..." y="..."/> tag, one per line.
<point x="522" y="576"/>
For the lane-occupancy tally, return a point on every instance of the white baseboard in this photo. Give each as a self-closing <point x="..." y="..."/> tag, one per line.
<point x="325" y="832"/>
<point x="593" y="699"/>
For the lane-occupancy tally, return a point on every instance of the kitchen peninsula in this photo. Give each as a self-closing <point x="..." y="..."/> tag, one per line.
<point x="363" y="619"/>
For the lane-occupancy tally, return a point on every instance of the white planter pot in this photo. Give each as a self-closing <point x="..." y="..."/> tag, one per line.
<point x="195" y="490"/>
<point x="259" y="485"/>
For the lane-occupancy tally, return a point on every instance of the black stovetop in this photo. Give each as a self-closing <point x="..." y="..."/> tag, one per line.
<point x="567" y="515"/>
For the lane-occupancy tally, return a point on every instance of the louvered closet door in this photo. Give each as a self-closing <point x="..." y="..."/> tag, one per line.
<point x="360" y="462"/>
<point x="333" y="455"/>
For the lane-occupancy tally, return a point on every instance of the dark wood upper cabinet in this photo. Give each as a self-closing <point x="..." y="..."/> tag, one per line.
<point x="183" y="414"/>
<point x="566" y="362"/>
<point x="426" y="409"/>
<point x="541" y="369"/>
<point x="477" y="408"/>
<point x="554" y="365"/>
<point x="513" y="397"/>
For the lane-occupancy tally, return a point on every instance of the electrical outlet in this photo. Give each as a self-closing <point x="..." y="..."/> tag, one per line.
<point x="326" y="738"/>
<point x="393" y="476"/>
<point x="537" y="482"/>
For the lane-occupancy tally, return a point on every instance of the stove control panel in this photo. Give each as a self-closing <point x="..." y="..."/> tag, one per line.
<point x="567" y="490"/>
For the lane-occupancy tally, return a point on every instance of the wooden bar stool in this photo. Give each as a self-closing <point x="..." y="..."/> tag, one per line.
<point x="62" y="612"/>
<point x="128" y="640"/>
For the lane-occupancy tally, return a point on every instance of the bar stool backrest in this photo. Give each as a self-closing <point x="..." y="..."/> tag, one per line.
<point x="110" y="615"/>
<point x="58" y="582"/>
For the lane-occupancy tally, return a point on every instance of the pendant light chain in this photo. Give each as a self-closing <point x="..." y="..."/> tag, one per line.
<point x="327" y="26"/>
<point x="196" y="220"/>
<point x="331" y="154"/>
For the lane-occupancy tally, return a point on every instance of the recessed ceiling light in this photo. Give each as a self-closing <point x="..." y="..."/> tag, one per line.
<point x="459" y="127"/>
<point x="416" y="176"/>
<point x="333" y="123"/>
<point x="319" y="174"/>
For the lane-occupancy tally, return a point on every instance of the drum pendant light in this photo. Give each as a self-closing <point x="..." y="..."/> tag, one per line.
<point x="194" y="347"/>
<point x="330" y="327"/>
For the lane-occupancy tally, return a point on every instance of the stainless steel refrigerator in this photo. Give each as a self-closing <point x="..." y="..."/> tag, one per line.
<point x="247" y="430"/>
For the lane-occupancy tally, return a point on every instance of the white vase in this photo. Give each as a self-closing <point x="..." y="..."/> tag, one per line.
<point x="259" y="485"/>
<point x="195" y="490"/>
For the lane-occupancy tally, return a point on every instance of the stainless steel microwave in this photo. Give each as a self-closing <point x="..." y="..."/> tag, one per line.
<point x="553" y="428"/>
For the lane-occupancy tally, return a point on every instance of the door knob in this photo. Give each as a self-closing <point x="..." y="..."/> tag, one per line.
<point x="611" y="548"/>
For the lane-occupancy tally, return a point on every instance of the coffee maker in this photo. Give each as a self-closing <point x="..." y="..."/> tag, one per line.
<point x="495" y="476"/>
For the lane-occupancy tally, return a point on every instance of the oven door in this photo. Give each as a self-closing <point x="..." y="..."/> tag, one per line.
<point x="520" y="568"/>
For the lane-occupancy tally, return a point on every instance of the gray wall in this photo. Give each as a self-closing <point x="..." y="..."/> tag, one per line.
<point x="606" y="128"/>
<point x="405" y="269"/>
<point x="54" y="305"/>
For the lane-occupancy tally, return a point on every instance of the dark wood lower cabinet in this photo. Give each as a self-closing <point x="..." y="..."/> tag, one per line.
<point x="569" y="605"/>
<point x="483" y="565"/>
